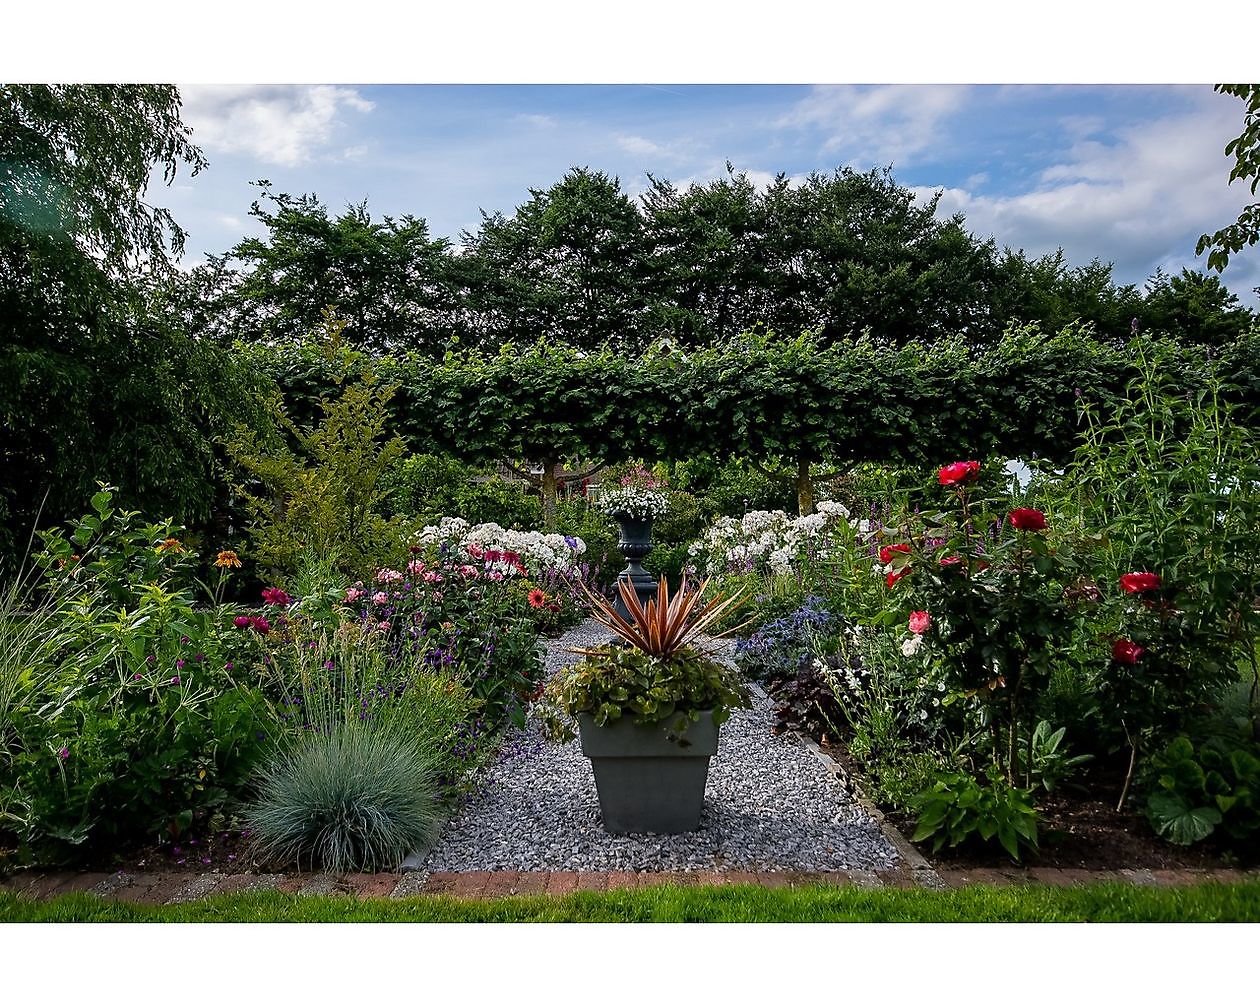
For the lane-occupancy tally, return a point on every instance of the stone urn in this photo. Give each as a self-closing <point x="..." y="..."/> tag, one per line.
<point x="635" y="542"/>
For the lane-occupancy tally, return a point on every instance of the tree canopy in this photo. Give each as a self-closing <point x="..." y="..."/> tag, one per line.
<point x="97" y="378"/>
<point x="1245" y="150"/>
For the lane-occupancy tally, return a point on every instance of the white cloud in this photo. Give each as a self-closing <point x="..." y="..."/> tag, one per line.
<point x="641" y="146"/>
<point x="888" y="124"/>
<point x="1139" y="197"/>
<point x="278" y="124"/>
<point x="536" y="119"/>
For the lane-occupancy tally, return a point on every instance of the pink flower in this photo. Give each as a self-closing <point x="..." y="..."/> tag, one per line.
<point x="383" y="626"/>
<point x="380" y="598"/>
<point x="261" y="624"/>
<point x="241" y="622"/>
<point x="432" y="576"/>
<point x="475" y="551"/>
<point x="1127" y="652"/>
<point x="919" y="622"/>
<point x="63" y="753"/>
<point x="353" y="593"/>
<point x="415" y="566"/>
<point x="276" y="597"/>
<point x="468" y="571"/>
<point x="387" y="575"/>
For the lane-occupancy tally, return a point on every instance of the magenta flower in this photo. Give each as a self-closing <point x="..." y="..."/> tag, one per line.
<point x="63" y="753"/>
<point x="276" y="597"/>
<point x="175" y="680"/>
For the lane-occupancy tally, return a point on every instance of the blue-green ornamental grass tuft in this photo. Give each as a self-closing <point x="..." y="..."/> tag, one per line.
<point x="349" y="798"/>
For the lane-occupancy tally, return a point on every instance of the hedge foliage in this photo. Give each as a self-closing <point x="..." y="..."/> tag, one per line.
<point x="762" y="397"/>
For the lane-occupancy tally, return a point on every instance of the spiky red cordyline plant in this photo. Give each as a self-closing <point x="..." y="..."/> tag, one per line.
<point x="665" y="625"/>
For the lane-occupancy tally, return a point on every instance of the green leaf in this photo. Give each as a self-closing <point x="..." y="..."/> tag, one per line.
<point x="1173" y="818"/>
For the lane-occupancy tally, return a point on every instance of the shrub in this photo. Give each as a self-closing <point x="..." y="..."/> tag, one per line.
<point x="122" y="723"/>
<point x="1200" y="789"/>
<point x="1166" y="490"/>
<point x="959" y="809"/>
<point x="320" y="488"/>
<point x="347" y="798"/>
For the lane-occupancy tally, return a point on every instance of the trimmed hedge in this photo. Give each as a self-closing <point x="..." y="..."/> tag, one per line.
<point x="759" y="397"/>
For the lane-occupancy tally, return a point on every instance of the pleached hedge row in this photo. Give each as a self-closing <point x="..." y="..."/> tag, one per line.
<point x="762" y="397"/>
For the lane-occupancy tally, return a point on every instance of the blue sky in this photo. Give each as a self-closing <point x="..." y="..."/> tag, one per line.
<point x="1131" y="174"/>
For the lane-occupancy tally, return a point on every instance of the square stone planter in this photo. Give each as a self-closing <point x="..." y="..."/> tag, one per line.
<point x="647" y="782"/>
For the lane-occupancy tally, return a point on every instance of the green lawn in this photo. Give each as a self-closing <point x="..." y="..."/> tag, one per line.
<point x="1114" y="902"/>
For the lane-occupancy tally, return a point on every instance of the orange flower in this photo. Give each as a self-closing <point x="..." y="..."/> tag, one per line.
<point x="227" y="558"/>
<point x="537" y="598"/>
<point x="171" y="546"/>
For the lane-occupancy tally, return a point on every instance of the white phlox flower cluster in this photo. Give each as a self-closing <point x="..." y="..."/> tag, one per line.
<point x="539" y="551"/>
<point x="769" y="538"/>
<point x="637" y="502"/>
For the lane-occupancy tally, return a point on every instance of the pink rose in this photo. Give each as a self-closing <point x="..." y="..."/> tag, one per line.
<point x="919" y="622"/>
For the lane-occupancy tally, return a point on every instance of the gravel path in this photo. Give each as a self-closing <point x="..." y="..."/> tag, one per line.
<point x="770" y="804"/>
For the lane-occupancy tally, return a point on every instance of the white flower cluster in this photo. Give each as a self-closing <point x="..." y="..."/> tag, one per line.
<point x="539" y="551"/>
<point x="769" y="537"/>
<point x="637" y="502"/>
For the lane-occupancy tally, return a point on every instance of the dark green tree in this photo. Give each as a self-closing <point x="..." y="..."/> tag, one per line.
<point x="1053" y="294"/>
<point x="836" y="254"/>
<point x="95" y="380"/>
<point x="1194" y="307"/>
<point x="387" y="279"/>
<point x="711" y="258"/>
<point x="568" y="265"/>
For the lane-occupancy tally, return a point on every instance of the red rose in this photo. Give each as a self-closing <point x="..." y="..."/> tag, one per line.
<point x="1140" y="582"/>
<point x="886" y="553"/>
<point x="919" y="622"/>
<point x="949" y="561"/>
<point x="1127" y="652"/>
<point x="894" y="576"/>
<point x="1028" y="519"/>
<point x="958" y="472"/>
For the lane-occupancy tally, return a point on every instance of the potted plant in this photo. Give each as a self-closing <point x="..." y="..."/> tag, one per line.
<point x="648" y="706"/>
<point x="638" y="502"/>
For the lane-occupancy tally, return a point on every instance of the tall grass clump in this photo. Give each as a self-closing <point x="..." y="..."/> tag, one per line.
<point x="370" y="747"/>
<point x="349" y="798"/>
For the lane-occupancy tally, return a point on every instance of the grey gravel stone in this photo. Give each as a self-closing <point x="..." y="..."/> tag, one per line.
<point x="769" y="805"/>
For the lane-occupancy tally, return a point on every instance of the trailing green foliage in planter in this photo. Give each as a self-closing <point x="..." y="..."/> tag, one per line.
<point x="614" y="681"/>
<point x="661" y="676"/>
<point x="958" y="808"/>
